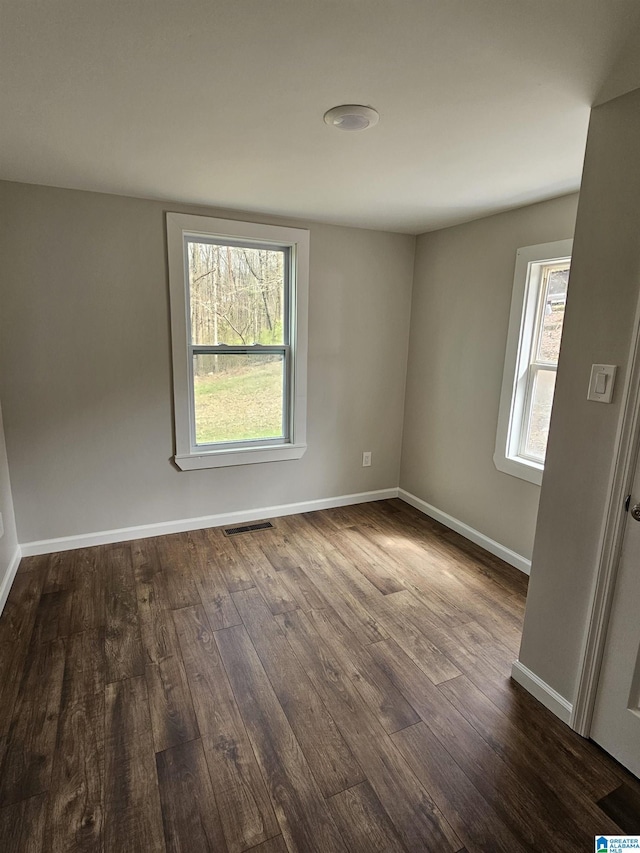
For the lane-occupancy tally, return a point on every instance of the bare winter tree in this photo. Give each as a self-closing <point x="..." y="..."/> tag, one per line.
<point x="236" y="296"/>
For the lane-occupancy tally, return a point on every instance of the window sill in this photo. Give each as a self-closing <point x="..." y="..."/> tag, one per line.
<point x="246" y="456"/>
<point x="524" y="469"/>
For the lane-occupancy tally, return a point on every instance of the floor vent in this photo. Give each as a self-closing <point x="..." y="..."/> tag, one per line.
<point x="247" y="528"/>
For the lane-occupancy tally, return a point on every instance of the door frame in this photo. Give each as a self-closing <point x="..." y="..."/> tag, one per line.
<point x="626" y="449"/>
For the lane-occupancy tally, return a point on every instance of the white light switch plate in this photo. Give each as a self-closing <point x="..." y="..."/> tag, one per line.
<point x="601" y="382"/>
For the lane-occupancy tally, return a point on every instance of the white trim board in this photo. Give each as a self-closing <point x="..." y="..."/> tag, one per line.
<point x="144" y="531"/>
<point x="540" y="690"/>
<point x="8" y="579"/>
<point x="490" y="545"/>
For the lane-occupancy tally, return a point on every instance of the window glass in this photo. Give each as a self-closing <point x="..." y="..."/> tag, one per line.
<point x="537" y="428"/>
<point x="555" y="279"/>
<point x="236" y="294"/>
<point x="238" y="397"/>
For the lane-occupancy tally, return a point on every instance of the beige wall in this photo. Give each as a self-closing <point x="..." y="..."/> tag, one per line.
<point x="86" y="373"/>
<point x="603" y="291"/>
<point x="459" y="322"/>
<point x="8" y="542"/>
<point x="625" y="75"/>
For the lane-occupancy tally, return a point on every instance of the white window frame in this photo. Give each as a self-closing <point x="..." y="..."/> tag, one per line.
<point x="189" y="456"/>
<point x="524" y="321"/>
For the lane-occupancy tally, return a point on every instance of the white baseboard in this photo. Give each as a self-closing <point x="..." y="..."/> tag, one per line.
<point x="144" y="531"/>
<point x="538" y="688"/>
<point x="124" y="534"/>
<point x="10" y="574"/>
<point x="490" y="545"/>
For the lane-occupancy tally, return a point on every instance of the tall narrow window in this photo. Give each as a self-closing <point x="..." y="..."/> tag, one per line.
<point x="541" y="378"/>
<point x="238" y="307"/>
<point x="533" y="346"/>
<point x="239" y="345"/>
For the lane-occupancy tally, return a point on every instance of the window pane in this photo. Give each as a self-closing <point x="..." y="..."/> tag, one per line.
<point x="554" y="283"/>
<point x="236" y="294"/>
<point x="535" y="445"/>
<point x="238" y="397"/>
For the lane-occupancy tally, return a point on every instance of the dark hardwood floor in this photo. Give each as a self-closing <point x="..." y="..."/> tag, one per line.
<point x="338" y="683"/>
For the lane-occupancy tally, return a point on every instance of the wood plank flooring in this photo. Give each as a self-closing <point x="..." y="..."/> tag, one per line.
<point x="337" y="683"/>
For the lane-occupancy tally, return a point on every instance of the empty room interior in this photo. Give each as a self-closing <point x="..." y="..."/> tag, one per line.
<point x="319" y="428"/>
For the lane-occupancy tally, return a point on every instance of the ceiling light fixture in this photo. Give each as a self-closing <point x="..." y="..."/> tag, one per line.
<point x="351" y="117"/>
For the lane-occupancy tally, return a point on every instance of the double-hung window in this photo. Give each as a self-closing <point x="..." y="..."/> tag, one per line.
<point x="239" y="339"/>
<point x="531" y="360"/>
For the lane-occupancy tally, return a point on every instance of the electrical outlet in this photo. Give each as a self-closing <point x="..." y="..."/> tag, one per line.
<point x="366" y="459"/>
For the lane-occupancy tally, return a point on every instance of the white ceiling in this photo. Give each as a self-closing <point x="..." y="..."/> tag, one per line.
<point x="483" y="104"/>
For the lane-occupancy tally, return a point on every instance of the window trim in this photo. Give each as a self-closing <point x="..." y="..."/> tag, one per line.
<point x="188" y="455"/>
<point x="521" y="339"/>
